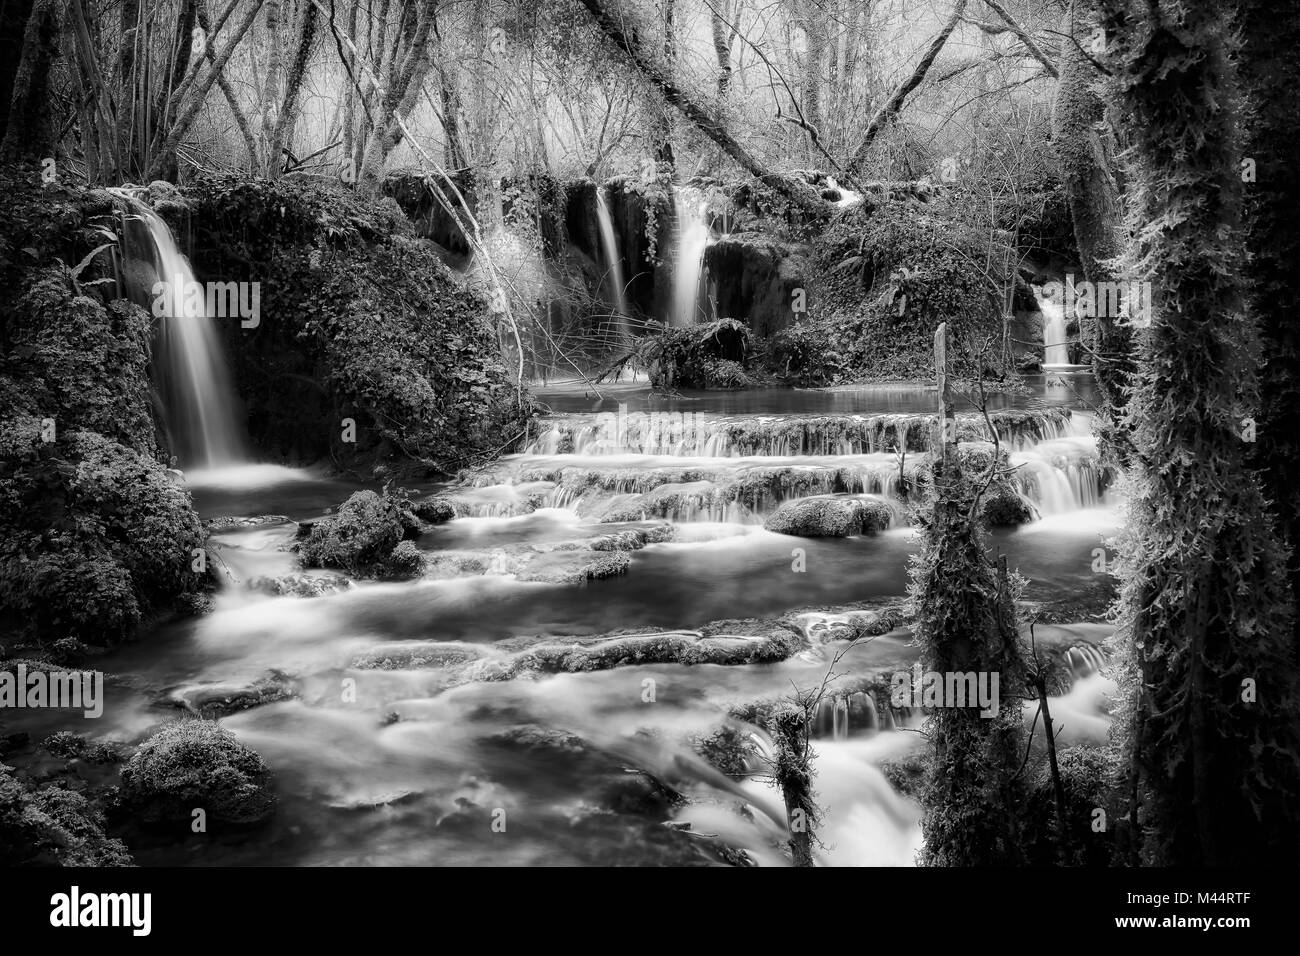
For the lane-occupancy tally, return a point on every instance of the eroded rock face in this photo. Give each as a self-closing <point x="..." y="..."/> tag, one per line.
<point x="197" y="764"/>
<point x="755" y="278"/>
<point x="831" y="516"/>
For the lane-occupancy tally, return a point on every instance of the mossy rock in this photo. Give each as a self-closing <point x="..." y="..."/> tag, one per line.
<point x="196" y="764"/>
<point x="53" y="827"/>
<point x="368" y="538"/>
<point x="830" y="516"/>
<point x="93" y="536"/>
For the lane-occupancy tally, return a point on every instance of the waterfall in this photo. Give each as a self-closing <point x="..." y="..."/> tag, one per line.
<point x="613" y="261"/>
<point x="193" y="379"/>
<point x="1055" y="350"/>
<point x="692" y="238"/>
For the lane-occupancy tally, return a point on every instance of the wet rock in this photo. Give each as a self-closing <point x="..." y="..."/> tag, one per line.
<point x="221" y="700"/>
<point x="836" y="516"/>
<point x="367" y="538"/>
<point x="1002" y="506"/>
<point x="434" y="509"/>
<point x="194" y="764"/>
<point x="239" y="523"/>
<point x="633" y="539"/>
<point x="406" y="655"/>
<point x="302" y="585"/>
<point x="405" y="561"/>
<point x="69" y="746"/>
<point x="574" y="567"/>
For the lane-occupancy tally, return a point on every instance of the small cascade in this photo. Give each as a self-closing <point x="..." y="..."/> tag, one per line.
<point x="193" y="378"/>
<point x="1056" y="351"/>
<point x="692" y="238"/>
<point x="617" y="288"/>
<point x="738" y="437"/>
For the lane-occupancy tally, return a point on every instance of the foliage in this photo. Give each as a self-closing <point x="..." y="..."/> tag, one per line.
<point x="52" y="826"/>
<point x="93" y="535"/>
<point x="885" y="277"/>
<point x="711" y="355"/>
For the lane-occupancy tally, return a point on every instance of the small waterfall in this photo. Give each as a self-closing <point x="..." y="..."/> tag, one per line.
<point x="193" y="379"/>
<point x="613" y="261"/>
<point x="692" y="238"/>
<point x="1055" y="349"/>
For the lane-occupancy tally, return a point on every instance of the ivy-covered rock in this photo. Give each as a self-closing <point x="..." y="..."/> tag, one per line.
<point x="196" y="764"/>
<point x="93" y="536"/>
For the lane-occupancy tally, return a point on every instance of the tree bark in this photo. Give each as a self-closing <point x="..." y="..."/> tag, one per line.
<point x="1085" y="146"/>
<point x="30" y="132"/>
<point x="1272" y="74"/>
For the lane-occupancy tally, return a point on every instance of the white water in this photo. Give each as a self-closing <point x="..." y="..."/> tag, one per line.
<point x="1055" y="348"/>
<point x="194" y="378"/>
<point x="613" y="261"/>
<point x="692" y="239"/>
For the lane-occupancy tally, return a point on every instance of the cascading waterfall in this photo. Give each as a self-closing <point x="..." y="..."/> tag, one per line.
<point x="613" y="261"/>
<point x="1055" y="349"/>
<point x="692" y="238"/>
<point x="193" y="378"/>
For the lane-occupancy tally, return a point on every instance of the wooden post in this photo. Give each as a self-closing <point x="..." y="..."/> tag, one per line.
<point x="946" y="424"/>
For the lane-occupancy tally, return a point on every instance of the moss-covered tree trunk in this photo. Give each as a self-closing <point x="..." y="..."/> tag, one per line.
<point x="1207" y="612"/>
<point x="965" y="621"/>
<point x="1271" y="71"/>
<point x="1084" y="146"/>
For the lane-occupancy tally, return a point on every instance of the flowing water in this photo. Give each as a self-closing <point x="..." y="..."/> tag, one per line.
<point x="193" y="378"/>
<point x="692" y="238"/>
<point x="397" y="746"/>
<point x="1056" y="350"/>
<point x="409" y="722"/>
<point x="617" y="289"/>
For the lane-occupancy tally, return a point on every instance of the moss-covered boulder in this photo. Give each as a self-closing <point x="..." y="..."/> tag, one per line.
<point x="196" y="764"/>
<point x="53" y="827"/>
<point x="360" y="320"/>
<point x="93" y="535"/>
<point x="367" y="538"/>
<point x="830" y="516"/>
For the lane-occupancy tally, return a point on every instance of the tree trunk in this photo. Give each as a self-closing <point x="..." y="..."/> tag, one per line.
<point x="900" y="94"/>
<point x="1085" y="146"/>
<point x="1271" y="71"/>
<point x="30" y="132"/>
<point x="797" y="191"/>
<point x="1206" y="612"/>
